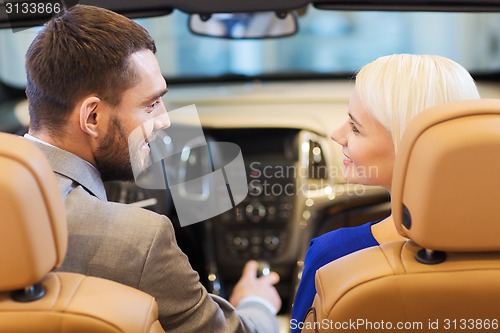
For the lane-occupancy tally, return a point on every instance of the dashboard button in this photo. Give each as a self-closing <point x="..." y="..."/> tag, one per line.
<point x="255" y="212"/>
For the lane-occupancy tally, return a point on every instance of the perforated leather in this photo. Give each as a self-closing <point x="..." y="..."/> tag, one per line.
<point x="33" y="241"/>
<point x="447" y="175"/>
<point x="34" y="232"/>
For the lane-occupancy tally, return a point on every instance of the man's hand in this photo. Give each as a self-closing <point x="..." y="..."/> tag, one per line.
<point x="250" y="285"/>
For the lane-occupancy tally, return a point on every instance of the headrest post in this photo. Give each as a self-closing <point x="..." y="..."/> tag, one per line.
<point x="29" y="294"/>
<point x="430" y="257"/>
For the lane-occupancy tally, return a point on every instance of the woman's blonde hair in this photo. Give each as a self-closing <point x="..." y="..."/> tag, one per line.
<point x="395" y="88"/>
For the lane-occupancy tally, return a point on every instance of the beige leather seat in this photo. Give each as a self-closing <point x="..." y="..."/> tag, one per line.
<point x="33" y="239"/>
<point x="446" y="200"/>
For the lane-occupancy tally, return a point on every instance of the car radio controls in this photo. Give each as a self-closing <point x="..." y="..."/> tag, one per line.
<point x="271" y="242"/>
<point x="255" y="212"/>
<point x="241" y="243"/>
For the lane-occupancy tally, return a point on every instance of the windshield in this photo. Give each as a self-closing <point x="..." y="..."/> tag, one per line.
<point x="333" y="43"/>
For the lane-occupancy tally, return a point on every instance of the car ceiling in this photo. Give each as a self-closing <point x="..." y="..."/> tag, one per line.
<point x="149" y="8"/>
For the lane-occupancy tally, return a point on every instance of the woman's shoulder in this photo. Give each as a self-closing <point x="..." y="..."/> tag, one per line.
<point x="340" y="242"/>
<point x="345" y="235"/>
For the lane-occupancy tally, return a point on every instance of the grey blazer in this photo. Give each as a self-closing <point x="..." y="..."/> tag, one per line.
<point x="137" y="247"/>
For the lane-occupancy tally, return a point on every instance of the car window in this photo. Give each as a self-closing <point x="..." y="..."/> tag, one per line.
<point x="328" y="42"/>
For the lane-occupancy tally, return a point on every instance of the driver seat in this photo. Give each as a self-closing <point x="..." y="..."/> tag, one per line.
<point x="33" y="241"/>
<point x="445" y="201"/>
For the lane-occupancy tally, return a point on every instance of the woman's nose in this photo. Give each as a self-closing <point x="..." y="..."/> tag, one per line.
<point x="339" y="135"/>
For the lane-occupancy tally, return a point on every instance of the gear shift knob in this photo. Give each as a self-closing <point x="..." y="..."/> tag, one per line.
<point x="263" y="268"/>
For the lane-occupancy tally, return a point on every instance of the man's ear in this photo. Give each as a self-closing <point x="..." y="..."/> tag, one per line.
<point x="90" y="115"/>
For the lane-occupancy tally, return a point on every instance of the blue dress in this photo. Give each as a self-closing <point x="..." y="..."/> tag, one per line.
<point x="322" y="250"/>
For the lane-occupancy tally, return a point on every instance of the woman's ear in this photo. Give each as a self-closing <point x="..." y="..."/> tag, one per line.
<point x="90" y="115"/>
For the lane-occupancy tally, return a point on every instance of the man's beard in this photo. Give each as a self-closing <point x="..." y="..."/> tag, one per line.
<point x="112" y="155"/>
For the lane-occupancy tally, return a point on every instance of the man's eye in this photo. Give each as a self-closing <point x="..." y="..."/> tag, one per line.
<point x="155" y="103"/>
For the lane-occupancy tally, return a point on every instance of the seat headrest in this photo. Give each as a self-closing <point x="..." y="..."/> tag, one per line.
<point x="446" y="181"/>
<point x="33" y="237"/>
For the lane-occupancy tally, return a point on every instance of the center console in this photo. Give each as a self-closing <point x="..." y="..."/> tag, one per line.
<point x="269" y="223"/>
<point x="287" y="179"/>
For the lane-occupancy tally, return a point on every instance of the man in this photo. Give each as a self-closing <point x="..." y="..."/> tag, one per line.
<point x="92" y="79"/>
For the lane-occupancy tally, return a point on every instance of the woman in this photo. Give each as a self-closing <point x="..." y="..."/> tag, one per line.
<point x="388" y="93"/>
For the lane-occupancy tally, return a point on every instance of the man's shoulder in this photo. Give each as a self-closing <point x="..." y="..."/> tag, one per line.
<point x="89" y="207"/>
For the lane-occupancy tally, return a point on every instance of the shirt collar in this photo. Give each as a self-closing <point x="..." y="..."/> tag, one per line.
<point x="72" y="166"/>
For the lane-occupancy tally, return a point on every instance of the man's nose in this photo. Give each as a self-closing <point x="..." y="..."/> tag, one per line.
<point x="162" y="121"/>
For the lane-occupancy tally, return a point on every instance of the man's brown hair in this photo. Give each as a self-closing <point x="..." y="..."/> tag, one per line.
<point x="82" y="52"/>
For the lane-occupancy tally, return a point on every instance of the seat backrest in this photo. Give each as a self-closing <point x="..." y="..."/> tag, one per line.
<point x="445" y="277"/>
<point x="33" y="242"/>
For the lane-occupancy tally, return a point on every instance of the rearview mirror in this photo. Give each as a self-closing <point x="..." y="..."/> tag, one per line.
<point x="244" y="25"/>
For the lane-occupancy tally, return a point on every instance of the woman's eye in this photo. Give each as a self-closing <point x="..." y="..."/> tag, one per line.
<point x="353" y="127"/>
